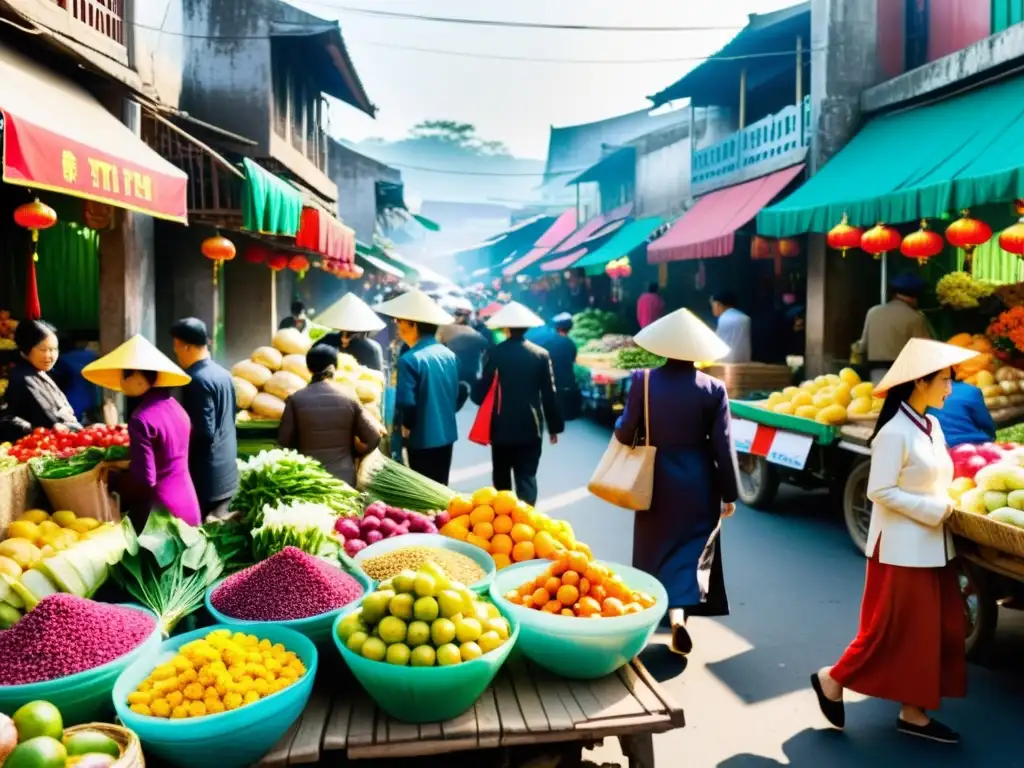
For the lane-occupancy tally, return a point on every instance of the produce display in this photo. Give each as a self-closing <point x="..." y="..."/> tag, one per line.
<point x="8" y="325"/>
<point x="611" y="342"/>
<point x="574" y="585"/>
<point x="831" y="399"/>
<point x="65" y="444"/>
<point x="396" y="484"/>
<point x="631" y="358"/>
<point x="423" y="619"/>
<point x="66" y="634"/>
<point x="34" y="737"/>
<point x="308" y="527"/>
<point x="221" y="672"/>
<point x="6" y="460"/>
<point x="287" y="586"/>
<point x="591" y="324"/>
<point x="989" y="480"/>
<point x="280" y="477"/>
<point x="455" y="565"/>
<point x="379" y="522"/>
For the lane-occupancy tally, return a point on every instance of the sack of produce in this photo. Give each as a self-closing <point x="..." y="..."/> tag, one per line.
<point x="297" y="364"/>
<point x="283" y="385"/>
<point x="254" y="373"/>
<point x="86" y="492"/>
<point x="245" y="391"/>
<point x="268" y="357"/>
<point x="266" y="406"/>
<point x="289" y="341"/>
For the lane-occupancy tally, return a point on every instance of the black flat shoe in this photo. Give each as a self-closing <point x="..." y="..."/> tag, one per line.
<point x="682" y="643"/>
<point x="834" y="711"/>
<point x="934" y="731"/>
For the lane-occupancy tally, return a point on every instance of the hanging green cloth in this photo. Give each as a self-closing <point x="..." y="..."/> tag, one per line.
<point x="68" y="275"/>
<point x="269" y="205"/>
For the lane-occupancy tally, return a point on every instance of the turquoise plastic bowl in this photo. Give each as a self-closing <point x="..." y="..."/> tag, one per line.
<point x="583" y="649"/>
<point x="425" y="694"/>
<point x="317" y="628"/>
<point x="436" y="541"/>
<point x="229" y="739"/>
<point x="84" y="697"/>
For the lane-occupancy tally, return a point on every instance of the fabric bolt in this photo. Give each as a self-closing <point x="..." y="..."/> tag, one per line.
<point x="269" y="205"/>
<point x="434" y="463"/>
<point x="209" y="401"/>
<point x="734" y="330"/>
<point x="678" y="539"/>
<point x="518" y="462"/>
<point x="964" y="417"/>
<point x="427" y="394"/>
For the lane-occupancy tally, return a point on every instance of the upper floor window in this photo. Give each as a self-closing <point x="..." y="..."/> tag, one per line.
<point x="300" y="115"/>
<point x="915" y="51"/>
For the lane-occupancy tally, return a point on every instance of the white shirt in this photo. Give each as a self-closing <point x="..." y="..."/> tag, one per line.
<point x="909" y="482"/>
<point x="734" y="330"/>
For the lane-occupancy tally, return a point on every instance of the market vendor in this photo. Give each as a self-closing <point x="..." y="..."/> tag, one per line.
<point x="355" y="322"/>
<point x="562" y="350"/>
<point x="888" y="327"/>
<point x="297" y="319"/>
<point x="158" y="429"/>
<point x="33" y="399"/>
<point x="965" y="418"/>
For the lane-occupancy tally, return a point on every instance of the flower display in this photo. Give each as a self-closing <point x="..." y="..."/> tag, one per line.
<point x="1007" y="331"/>
<point x="959" y="290"/>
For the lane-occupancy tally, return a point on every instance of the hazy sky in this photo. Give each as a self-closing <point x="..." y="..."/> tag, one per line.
<point x="517" y="101"/>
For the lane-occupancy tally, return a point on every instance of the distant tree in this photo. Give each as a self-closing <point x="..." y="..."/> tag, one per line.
<point x="456" y="135"/>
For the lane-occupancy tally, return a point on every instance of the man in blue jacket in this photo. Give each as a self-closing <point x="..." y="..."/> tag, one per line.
<point x="965" y="417"/>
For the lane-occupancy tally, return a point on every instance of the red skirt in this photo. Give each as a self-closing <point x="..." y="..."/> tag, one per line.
<point x="910" y="645"/>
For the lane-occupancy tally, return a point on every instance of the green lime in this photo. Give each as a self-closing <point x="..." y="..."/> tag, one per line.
<point x="442" y="631"/>
<point x="468" y="630"/>
<point x="375" y="605"/>
<point x="426" y="585"/>
<point x="417" y="634"/>
<point x="401" y="606"/>
<point x="449" y="603"/>
<point x="392" y="629"/>
<point x="470" y="651"/>
<point x="374" y="649"/>
<point x="498" y="625"/>
<point x="423" y="656"/>
<point x="398" y="654"/>
<point x="38" y="752"/>
<point x="405" y="581"/>
<point x="350" y="624"/>
<point x="448" y="655"/>
<point x="441" y="579"/>
<point x="356" y="640"/>
<point x="85" y="742"/>
<point x="425" y="609"/>
<point x="38" y="718"/>
<point x="489" y="641"/>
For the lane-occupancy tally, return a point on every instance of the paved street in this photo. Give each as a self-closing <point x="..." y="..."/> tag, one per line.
<point x="794" y="583"/>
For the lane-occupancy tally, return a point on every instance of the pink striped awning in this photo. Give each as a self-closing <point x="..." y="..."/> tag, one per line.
<point x="708" y="229"/>
<point x="584" y="239"/>
<point x="556" y="233"/>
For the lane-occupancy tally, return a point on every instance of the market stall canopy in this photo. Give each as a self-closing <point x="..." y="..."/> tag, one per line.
<point x="622" y="243"/>
<point x="57" y="137"/>
<point x="498" y="247"/>
<point x="322" y="233"/>
<point x="136" y="354"/>
<point x="938" y="158"/>
<point x="377" y="259"/>
<point x="708" y="229"/>
<point x="591" y="236"/>
<point x="556" y="233"/>
<point x="351" y="314"/>
<point x="270" y="205"/>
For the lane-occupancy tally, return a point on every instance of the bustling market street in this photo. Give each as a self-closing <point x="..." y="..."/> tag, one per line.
<point x="795" y="585"/>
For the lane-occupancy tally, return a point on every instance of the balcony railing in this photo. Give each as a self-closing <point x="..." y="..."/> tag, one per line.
<point x="764" y="143"/>
<point x="104" y="16"/>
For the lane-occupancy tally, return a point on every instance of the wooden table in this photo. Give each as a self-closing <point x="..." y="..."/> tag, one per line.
<point x="524" y="706"/>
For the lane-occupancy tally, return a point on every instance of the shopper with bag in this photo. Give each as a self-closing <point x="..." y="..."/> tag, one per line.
<point x="682" y="415"/>
<point x="516" y="394"/>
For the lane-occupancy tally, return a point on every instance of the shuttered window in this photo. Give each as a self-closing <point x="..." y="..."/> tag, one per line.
<point x="1006" y="13"/>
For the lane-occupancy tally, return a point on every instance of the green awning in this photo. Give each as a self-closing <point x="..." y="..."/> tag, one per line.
<point x="623" y="242"/>
<point x="428" y="224"/>
<point x="377" y="258"/>
<point x="957" y="153"/>
<point x="270" y="205"/>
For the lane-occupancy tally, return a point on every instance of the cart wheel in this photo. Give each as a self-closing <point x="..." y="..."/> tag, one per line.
<point x="759" y="481"/>
<point x="980" y="609"/>
<point x="856" y="507"/>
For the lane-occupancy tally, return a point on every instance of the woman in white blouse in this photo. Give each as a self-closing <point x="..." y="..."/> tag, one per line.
<point x="910" y="645"/>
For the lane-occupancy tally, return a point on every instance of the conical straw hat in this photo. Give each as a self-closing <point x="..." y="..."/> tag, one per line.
<point x="682" y="336"/>
<point x="136" y="354"/>
<point x="416" y="306"/>
<point x="919" y="358"/>
<point x="514" y="315"/>
<point x="350" y="314"/>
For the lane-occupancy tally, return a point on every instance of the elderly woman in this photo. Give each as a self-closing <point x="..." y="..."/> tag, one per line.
<point x="326" y="420"/>
<point x="910" y="645"/>
<point x="684" y="413"/>
<point x="33" y="398"/>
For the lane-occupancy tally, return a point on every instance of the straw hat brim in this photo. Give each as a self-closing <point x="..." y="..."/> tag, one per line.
<point x="136" y="354"/>
<point x="514" y="315"/>
<point x="920" y="358"/>
<point x="682" y="336"/>
<point x="352" y="315"/>
<point x="416" y="307"/>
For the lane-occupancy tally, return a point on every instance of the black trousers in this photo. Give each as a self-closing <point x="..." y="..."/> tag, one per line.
<point x="521" y="461"/>
<point x="435" y="463"/>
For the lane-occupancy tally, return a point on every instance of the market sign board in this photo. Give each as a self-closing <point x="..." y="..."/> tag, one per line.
<point x="787" y="449"/>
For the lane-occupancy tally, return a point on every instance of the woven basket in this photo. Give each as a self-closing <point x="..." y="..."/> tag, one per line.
<point x="131" y="747"/>
<point x="988" y="533"/>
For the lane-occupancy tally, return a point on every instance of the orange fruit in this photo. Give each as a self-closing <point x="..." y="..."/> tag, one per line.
<point x="578" y="562"/>
<point x="460" y="505"/>
<point x="544" y="543"/>
<point x="567" y="594"/>
<point x="484" y="496"/>
<point x="613" y="607"/>
<point x="552" y="584"/>
<point x="526" y="589"/>
<point x="528" y="601"/>
<point x="521" y="513"/>
<point x="505" y="502"/>
<point x="572" y="578"/>
<point x="483" y="530"/>
<point x="566" y="539"/>
<point x="500" y="543"/>
<point x="589" y="606"/>
<point x="503" y="524"/>
<point x="645" y="600"/>
<point x="513" y="596"/>
<point x="540" y="597"/>
<point x="453" y="531"/>
<point x="615" y="588"/>
<point x="523" y="550"/>
<point x="559" y="566"/>
<point x="521" y="532"/>
<point x="482" y="514"/>
<point x="477" y="541"/>
<point x="501" y="560"/>
<point x="598" y="592"/>
<point x="553" y="607"/>
<point x="633" y="608"/>
<point x="584" y="586"/>
<point x="567" y="612"/>
<point x="585" y="550"/>
<point x="596" y="573"/>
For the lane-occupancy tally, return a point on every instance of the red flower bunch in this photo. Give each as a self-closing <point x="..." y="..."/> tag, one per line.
<point x="1007" y="331"/>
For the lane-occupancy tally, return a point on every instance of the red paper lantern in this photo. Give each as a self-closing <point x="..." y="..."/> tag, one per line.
<point x="842" y="237"/>
<point x="880" y="239"/>
<point x="968" y="234"/>
<point x="256" y="254"/>
<point x="788" y="247"/>
<point x="218" y="249"/>
<point x="922" y="245"/>
<point x="277" y="262"/>
<point x="35" y="216"/>
<point x="298" y="263"/>
<point x="1011" y="239"/>
<point x="760" y="248"/>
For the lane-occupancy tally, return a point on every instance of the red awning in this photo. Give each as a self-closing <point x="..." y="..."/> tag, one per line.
<point x="322" y="233"/>
<point x="708" y="229"/>
<point x="57" y="137"/>
<point x="584" y="239"/>
<point x="556" y="233"/>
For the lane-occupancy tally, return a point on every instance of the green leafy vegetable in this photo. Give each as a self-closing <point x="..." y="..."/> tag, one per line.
<point x="1012" y="434"/>
<point x="399" y="486"/>
<point x="306" y="526"/>
<point x="233" y="542"/>
<point x="630" y="358"/>
<point x="54" y="468"/>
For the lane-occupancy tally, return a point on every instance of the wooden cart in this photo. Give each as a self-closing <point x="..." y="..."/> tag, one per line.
<point x="525" y="706"/>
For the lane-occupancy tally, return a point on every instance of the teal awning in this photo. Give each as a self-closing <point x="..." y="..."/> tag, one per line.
<point x="930" y="160"/>
<point x="630" y="237"/>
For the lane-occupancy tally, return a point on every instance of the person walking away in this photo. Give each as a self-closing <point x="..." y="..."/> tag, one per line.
<point x="209" y="400"/>
<point x="158" y="429"/>
<point x="355" y="322"/>
<point x="562" y="351"/>
<point x="733" y="327"/>
<point x="965" y="418"/>
<point x="910" y="645"/>
<point x="297" y="319"/>
<point x="649" y="307"/>
<point x="326" y="420"/>
<point x="33" y="399"/>
<point x="888" y="327"/>
<point x="67" y="373"/>
<point x="524" y="402"/>
<point x="464" y="340"/>
<point x="678" y="539"/>
<point x="427" y="391"/>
